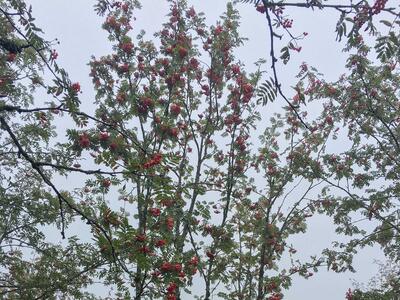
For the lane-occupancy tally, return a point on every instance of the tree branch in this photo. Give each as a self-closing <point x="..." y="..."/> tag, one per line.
<point x="273" y="66"/>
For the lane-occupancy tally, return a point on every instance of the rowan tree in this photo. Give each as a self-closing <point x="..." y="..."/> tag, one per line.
<point x="360" y="111"/>
<point x="178" y="191"/>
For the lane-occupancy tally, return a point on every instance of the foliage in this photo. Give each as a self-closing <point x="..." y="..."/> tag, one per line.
<point x="383" y="286"/>
<point x="32" y="266"/>
<point x="182" y="192"/>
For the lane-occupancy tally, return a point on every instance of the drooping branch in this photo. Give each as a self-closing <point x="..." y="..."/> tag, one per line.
<point x="316" y="4"/>
<point x="61" y="108"/>
<point x="61" y="198"/>
<point x="29" y="44"/>
<point x="277" y="83"/>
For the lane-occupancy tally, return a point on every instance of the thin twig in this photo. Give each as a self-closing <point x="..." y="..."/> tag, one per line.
<point x="62" y="199"/>
<point x="273" y="66"/>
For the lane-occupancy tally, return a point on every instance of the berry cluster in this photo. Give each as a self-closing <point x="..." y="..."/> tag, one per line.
<point x="276" y="296"/>
<point x="349" y="295"/>
<point x="175" y="109"/>
<point x="170" y="267"/>
<point x="76" y="87"/>
<point x="160" y="243"/>
<point x="155" y="212"/>
<point x="84" y="140"/>
<point x="261" y="8"/>
<point x="287" y="23"/>
<point x="171" y="290"/>
<point x="127" y="47"/>
<point x="155" y="160"/>
<point x="169" y="222"/>
<point x="104" y="136"/>
<point x="53" y="54"/>
<point x="378" y="6"/>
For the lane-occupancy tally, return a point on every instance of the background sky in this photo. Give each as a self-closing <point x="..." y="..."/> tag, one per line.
<point x="79" y="31"/>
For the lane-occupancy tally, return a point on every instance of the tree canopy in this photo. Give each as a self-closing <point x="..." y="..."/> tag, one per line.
<point x="177" y="191"/>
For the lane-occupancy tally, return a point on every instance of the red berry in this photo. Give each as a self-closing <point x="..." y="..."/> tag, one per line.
<point x="127" y="47"/>
<point x="218" y="30"/>
<point x="247" y="88"/>
<point x="210" y="255"/>
<point x="175" y="109"/>
<point x="112" y="22"/>
<point x="103" y="136"/>
<point x="113" y="146"/>
<point x="261" y="8"/>
<point x="182" y="52"/>
<point x="194" y="63"/>
<point x="106" y="183"/>
<point x="167" y="202"/>
<point x="170" y="223"/>
<point x="124" y="68"/>
<point x="144" y="249"/>
<point x="76" y="87"/>
<point x="174" y="132"/>
<point x="11" y="57"/>
<point x="53" y="55"/>
<point x="191" y="13"/>
<point x="147" y="102"/>
<point x="194" y="261"/>
<point x="155" y="212"/>
<point x="160" y="243"/>
<point x="329" y="120"/>
<point x="171" y="287"/>
<point x="178" y="267"/>
<point x="125" y="7"/>
<point x="349" y="295"/>
<point x="157" y="119"/>
<point x="287" y="23"/>
<point x="84" y="141"/>
<point x="156" y="273"/>
<point x="121" y="98"/>
<point x="235" y="69"/>
<point x="140" y="238"/>
<point x="166" y="267"/>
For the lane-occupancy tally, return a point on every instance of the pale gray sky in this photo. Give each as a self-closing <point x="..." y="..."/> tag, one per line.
<point x="79" y="30"/>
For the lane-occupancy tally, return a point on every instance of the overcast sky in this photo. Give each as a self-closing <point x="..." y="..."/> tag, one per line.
<point x="79" y="31"/>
